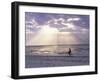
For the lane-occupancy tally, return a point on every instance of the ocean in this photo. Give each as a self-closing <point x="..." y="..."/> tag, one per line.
<point x="56" y="55"/>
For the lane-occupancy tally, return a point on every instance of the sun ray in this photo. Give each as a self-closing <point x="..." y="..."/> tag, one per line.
<point x="46" y="36"/>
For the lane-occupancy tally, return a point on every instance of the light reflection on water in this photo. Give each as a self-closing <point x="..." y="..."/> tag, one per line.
<point x="56" y="50"/>
<point x="53" y="56"/>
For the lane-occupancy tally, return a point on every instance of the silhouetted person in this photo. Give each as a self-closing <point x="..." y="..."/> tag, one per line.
<point x="69" y="52"/>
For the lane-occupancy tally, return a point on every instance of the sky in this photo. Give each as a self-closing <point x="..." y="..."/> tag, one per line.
<point x="53" y="28"/>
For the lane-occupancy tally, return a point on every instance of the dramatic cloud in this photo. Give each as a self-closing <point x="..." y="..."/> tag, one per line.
<point x="74" y="27"/>
<point x="73" y="19"/>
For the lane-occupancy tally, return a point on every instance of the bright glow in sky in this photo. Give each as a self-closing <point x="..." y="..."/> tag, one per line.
<point x="46" y="35"/>
<point x="53" y="29"/>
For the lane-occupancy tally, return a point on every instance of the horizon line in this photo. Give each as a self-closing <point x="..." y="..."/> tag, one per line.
<point x="57" y="44"/>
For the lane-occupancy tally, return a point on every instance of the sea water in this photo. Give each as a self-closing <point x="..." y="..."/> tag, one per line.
<point x="56" y="55"/>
